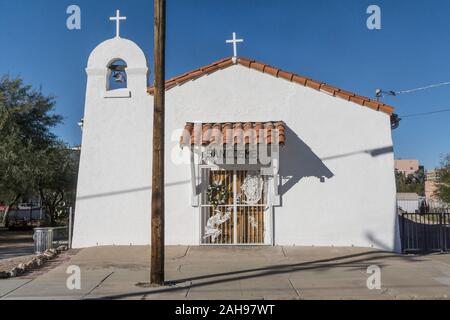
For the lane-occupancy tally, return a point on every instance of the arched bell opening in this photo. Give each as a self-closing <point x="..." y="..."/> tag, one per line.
<point x="117" y="75"/>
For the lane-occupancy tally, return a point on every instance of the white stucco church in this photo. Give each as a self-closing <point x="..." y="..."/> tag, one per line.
<point x="327" y="178"/>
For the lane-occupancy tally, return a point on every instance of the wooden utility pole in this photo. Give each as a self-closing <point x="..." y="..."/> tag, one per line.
<point x="157" y="245"/>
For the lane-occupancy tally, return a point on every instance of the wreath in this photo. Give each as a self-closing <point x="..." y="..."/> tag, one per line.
<point x="218" y="194"/>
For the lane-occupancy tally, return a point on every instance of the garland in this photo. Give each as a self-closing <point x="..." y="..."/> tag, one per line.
<point x="217" y="193"/>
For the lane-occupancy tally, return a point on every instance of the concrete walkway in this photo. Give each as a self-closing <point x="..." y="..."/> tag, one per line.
<point x="240" y="273"/>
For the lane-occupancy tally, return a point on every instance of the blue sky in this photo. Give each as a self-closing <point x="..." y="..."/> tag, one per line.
<point x="326" y="40"/>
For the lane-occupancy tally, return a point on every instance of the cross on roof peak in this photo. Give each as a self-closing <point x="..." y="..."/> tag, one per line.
<point x="117" y="18"/>
<point x="234" y="41"/>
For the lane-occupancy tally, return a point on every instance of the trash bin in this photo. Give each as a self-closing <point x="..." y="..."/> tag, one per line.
<point x="43" y="239"/>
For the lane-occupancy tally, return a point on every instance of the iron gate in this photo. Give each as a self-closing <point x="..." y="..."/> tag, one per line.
<point x="425" y="232"/>
<point x="247" y="221"/>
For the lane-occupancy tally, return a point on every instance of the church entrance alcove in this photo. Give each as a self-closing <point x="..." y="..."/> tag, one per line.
<point x="234" y="179"/>
<point x="117" y="75"/>
<point x="234" y="207"/>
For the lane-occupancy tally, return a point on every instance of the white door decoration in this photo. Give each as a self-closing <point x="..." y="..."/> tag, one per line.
<point x="253" y="222"/>
<point x="253" y="187"/>
<point x="212" y="226"/>
<point x="234" y="207"/>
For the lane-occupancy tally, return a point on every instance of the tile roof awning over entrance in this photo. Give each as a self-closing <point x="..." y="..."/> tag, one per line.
<point x="233" y="133"/>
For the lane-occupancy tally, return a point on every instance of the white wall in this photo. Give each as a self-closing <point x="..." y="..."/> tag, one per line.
<point x="113" y="192"/>
<point x="348" y="144"/>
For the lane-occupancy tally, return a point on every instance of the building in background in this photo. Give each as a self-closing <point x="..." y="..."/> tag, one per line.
<point x="430" y="184"/>
<point x="408" y="202"/>
<point x="407" y="166"/>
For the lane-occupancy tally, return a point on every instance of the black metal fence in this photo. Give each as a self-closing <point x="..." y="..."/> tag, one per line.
<point x="425" y="232"/>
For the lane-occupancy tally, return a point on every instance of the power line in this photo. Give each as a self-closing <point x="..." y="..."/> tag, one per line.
<point x="424" y="113"/>
<point x="431" y="86"/>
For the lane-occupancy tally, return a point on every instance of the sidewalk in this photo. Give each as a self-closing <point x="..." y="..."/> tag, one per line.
<point x="240" y="273"/>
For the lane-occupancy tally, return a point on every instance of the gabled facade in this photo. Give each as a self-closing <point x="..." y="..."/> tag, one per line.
<point x="329" y="178"/>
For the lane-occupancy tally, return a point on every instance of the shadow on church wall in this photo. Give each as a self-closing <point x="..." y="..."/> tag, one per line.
<point x="298" y="161"/>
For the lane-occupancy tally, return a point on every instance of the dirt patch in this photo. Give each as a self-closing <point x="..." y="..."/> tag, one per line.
<point x="34" y="271"/>
<point x="8" y="264"/>
<point x="17" y="247"/>
<point x="50" y="264"/>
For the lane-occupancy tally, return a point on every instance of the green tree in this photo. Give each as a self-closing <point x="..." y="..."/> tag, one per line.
<point x="413" y="183"/>
<point x="443" y="181"/>
<point x="32" y="160"/>
<point x="16" y="170"/>
<point x="27" y="113"/>
<point x="56" y="176"/>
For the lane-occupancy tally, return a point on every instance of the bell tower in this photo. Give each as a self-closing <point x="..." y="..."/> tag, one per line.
<point x="124" y="61"/>
<point x="113" y="192"/>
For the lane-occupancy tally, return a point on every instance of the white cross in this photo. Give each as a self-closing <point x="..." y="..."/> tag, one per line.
<point x="117" y="18"/>
<point x="234" y="41"/>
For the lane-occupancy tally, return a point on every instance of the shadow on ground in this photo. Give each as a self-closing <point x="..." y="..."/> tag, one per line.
<point x="358" y="261"/>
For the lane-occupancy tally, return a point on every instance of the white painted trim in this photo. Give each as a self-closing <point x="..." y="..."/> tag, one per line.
<point x="195" y="180"/>
<point x="268" y="226"/>
<point x="275" y="198"/>
<point x="117" y="93"/>
<point x="97" y="71"/>
<point x="138" y="71"/>
<point x="235" y="221"/>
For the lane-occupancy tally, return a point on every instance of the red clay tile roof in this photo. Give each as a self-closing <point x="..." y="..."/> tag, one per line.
<point x="289" y="76"/>
<point x="233" y="133"/>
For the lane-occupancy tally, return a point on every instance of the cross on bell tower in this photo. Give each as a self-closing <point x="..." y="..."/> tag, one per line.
<point x="117" y="18"/>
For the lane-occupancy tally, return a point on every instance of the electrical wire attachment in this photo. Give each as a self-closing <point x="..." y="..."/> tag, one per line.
<point x="395" y="121"/>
